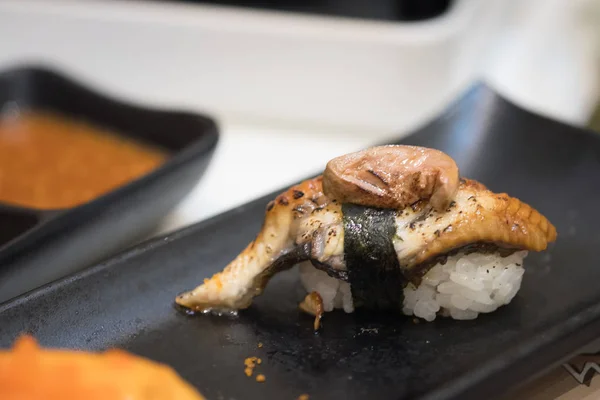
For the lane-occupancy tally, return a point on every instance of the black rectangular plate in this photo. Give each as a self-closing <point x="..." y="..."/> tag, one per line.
<point x="37" y="247"/>
<point x="128" y="301"/>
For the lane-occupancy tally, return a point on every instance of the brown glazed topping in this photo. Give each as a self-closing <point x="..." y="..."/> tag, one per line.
<point x="392" y="177"/>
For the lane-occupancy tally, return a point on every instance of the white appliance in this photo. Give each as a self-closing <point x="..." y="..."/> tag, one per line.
<point x="285" y="84"/>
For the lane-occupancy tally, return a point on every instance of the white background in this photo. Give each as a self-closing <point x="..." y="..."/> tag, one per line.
<point x="291" y="92"/>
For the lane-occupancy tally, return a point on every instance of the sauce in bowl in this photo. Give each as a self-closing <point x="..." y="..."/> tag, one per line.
<point x="49" y="162"/>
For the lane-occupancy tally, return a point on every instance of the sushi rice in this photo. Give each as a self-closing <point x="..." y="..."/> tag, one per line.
<point x="461" y="288"/>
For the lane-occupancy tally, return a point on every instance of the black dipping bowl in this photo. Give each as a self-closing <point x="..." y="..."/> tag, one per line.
<point x="37" y="246"/>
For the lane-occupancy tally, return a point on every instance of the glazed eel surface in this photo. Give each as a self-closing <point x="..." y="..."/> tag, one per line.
<point x="304" y="224"/>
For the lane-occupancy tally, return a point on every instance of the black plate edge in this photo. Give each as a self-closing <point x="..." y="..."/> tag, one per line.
<point x="127" y="253"/>
<point x="526" y="359"/>
<point x="494" y="94"/>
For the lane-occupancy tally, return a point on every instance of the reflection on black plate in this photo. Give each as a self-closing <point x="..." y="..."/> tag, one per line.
<point x="128" y="302"/>
<point x="39" y="246"/>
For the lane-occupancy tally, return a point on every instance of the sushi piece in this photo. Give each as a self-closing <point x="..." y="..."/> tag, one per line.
<point x="390" y="227"/>
<point x="28" y="371"/>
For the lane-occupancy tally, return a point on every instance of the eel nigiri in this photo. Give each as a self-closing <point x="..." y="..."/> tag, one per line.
<point x="392" y="227"/>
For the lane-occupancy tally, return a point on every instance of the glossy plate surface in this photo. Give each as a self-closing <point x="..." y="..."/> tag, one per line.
<point x="128" y="301"/>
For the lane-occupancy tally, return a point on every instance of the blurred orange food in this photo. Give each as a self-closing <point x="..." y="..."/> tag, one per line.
<point x="28" y="371"/>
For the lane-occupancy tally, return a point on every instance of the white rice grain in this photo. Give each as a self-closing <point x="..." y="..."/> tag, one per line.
<point x="462" y="288"/>
<point x="476" y="283"/>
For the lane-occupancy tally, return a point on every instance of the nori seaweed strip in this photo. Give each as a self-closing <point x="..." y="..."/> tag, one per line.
<point x="373" y="270"/>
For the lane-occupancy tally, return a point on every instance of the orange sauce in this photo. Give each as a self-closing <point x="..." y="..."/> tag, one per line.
<point x="48" y="161"/>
